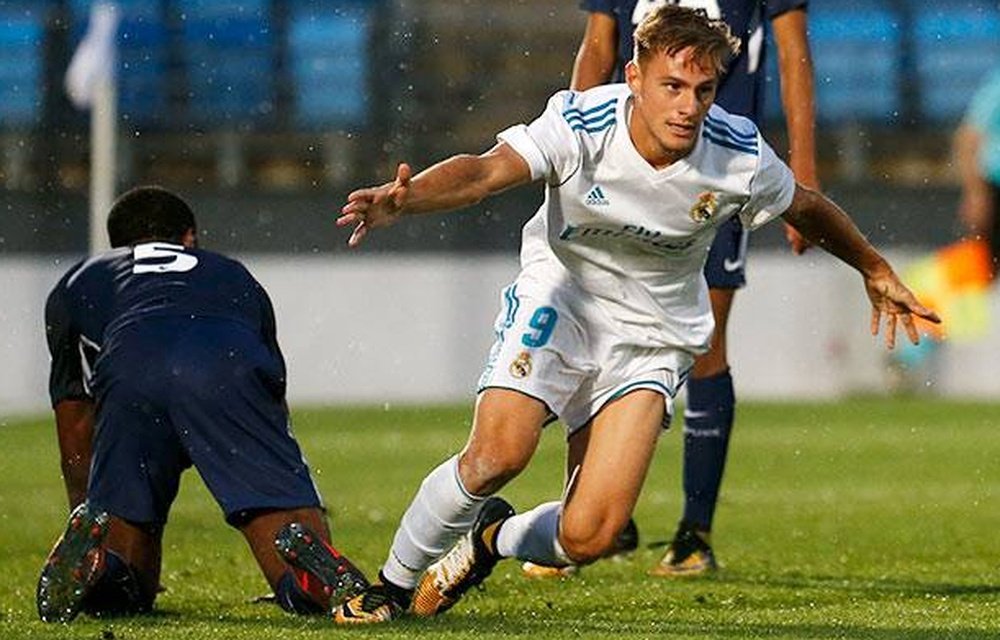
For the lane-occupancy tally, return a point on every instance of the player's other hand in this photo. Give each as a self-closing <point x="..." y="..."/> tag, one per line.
<point x="374" y="207"/>
<point x="796" y="240"/>
<point x="890" y="298"/>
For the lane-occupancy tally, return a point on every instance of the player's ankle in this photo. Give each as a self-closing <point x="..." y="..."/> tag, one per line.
<point x="703" y="531"/>
<point x="400" y="595"/>
<point x="294" y="598"/>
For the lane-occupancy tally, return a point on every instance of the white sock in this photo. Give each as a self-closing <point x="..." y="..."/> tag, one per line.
<point x="439" y="514"/>
<point x="534" y="535"/>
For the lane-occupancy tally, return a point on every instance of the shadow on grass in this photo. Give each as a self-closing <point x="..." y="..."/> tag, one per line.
<point x="869" y="585"/>
<point x="485" y="624"/>
<point x="490" y="624"/>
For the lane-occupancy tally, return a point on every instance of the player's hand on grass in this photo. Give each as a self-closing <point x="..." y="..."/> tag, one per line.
<point x="796" y="240"/>
<point x="890" y="298"/>
<point x="375" y="207"/>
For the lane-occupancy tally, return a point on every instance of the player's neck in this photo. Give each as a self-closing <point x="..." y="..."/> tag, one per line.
<point x="647" y="146"/>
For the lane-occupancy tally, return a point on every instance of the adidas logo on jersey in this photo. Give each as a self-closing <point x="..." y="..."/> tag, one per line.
<point x="596" y="197"/>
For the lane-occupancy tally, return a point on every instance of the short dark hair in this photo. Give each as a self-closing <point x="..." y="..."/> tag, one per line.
<point x="672" y="28"/>
<point x="148" y="213"/>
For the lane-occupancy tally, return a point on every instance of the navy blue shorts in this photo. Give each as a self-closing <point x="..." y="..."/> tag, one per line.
<point x="726" y="264"/>
<point x="172" y="392"/>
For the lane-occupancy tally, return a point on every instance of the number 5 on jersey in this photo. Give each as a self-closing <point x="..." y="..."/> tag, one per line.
<point x="161" y="257"/>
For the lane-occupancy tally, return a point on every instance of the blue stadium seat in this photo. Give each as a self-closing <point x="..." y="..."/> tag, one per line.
<point x="856" y="56"/>
<point x="143" y="42"/>
<point x="229" y="58"/>
<point x="22" y="47"/>
<point x="329" y="61"/>
<point x="956" y="46"/>
<point x="223" y="9"/>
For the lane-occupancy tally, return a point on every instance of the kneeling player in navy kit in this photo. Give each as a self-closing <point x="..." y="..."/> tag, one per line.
<point x="164" y="356"/>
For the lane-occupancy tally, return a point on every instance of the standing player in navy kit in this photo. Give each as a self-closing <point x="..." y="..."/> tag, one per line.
<point x="605" y="49"/>
<point x="164" y="356"/>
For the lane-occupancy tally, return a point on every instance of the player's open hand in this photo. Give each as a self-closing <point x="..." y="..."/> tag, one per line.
<point x="890" y="298"/>
<point x="375" y="207"/>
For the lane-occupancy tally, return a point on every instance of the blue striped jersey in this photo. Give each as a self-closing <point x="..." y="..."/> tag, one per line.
<point x="634" y="236"/>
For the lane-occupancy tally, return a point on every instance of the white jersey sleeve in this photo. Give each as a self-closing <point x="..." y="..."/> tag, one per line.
<point x="771" y="189"/>
<point x="548" y="144"/>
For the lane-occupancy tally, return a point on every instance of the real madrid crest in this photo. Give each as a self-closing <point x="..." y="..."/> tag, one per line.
<point x="521" y="367"/>
<point x="705" y="207"/>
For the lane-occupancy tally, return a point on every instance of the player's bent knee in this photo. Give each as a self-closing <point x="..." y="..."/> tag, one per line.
<point x="585" y="551"/>
<point x="587" y="545"/>
<point x="484" y="474"/>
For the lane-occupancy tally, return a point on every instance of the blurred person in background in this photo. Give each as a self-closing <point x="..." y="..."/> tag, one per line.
<point x="165" y="356"/>
<point x="977" y="153"/>
<point x="610" y="308"/>
<point x="604" y="51"/>
<point x="954" y="280"/>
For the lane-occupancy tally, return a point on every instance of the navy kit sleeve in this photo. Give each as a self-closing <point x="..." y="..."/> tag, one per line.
<point x="598" y="6"/>
<point x="66" y="376"/>
<point x="775" y="8"/>
<point x="269" y="328"/>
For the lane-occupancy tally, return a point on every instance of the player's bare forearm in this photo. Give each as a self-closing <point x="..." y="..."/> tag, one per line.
<point x="75" y="430"/>
<point x="975" y="208"/>
<point x="966" y="147"/>
<point x="460" y="181"/>
<point x="457" y="182"/>
<point x="826" y="225"/>
<point x="596" y="57"/>
<point x="797" y="94"/>
<point x="798" y="102"/>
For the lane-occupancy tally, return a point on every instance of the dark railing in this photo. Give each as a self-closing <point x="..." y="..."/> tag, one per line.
<point x="280" y="105"/>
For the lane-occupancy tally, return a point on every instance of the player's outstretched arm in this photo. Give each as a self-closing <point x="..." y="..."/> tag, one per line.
<point x="457" y="182"/>
<point x="825" y="225"/>
<point x="795" y="69"/>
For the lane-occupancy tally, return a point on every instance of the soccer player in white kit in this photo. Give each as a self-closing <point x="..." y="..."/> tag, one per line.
<point x="603" y="322"/>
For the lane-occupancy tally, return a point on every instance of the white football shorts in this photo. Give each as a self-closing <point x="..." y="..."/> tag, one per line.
<point x="555" y="345"/>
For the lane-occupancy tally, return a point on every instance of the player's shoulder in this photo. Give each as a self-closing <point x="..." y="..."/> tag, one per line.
<point x="93" y="267"/>
<point x="218" y="260"/>
<point x="222" y="268"/>
<point x="87" y="279"/>
<point x="213" y="256"/>
<point x="729" y="131"/>
<point x="592" y="111"/>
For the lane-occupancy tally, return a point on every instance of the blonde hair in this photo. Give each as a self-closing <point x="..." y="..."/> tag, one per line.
<point x="672" y="28"/>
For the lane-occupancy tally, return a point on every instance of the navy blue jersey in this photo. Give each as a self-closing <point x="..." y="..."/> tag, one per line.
<point x="101" y="296"/>
<point x="742" y="89"/>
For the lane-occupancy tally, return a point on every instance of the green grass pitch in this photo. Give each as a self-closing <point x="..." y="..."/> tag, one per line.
<point x="864" y="518"/>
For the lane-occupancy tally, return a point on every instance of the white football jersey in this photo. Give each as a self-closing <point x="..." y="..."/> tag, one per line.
<point x="635" y="237"/>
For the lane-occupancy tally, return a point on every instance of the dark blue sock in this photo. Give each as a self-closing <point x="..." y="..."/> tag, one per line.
<point x="708" y="421"/>
<point x="117" y="592"/>
<point x="293" y="598"/>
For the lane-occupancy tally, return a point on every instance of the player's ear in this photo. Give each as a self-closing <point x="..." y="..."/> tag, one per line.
<point x="633" y="75"/>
